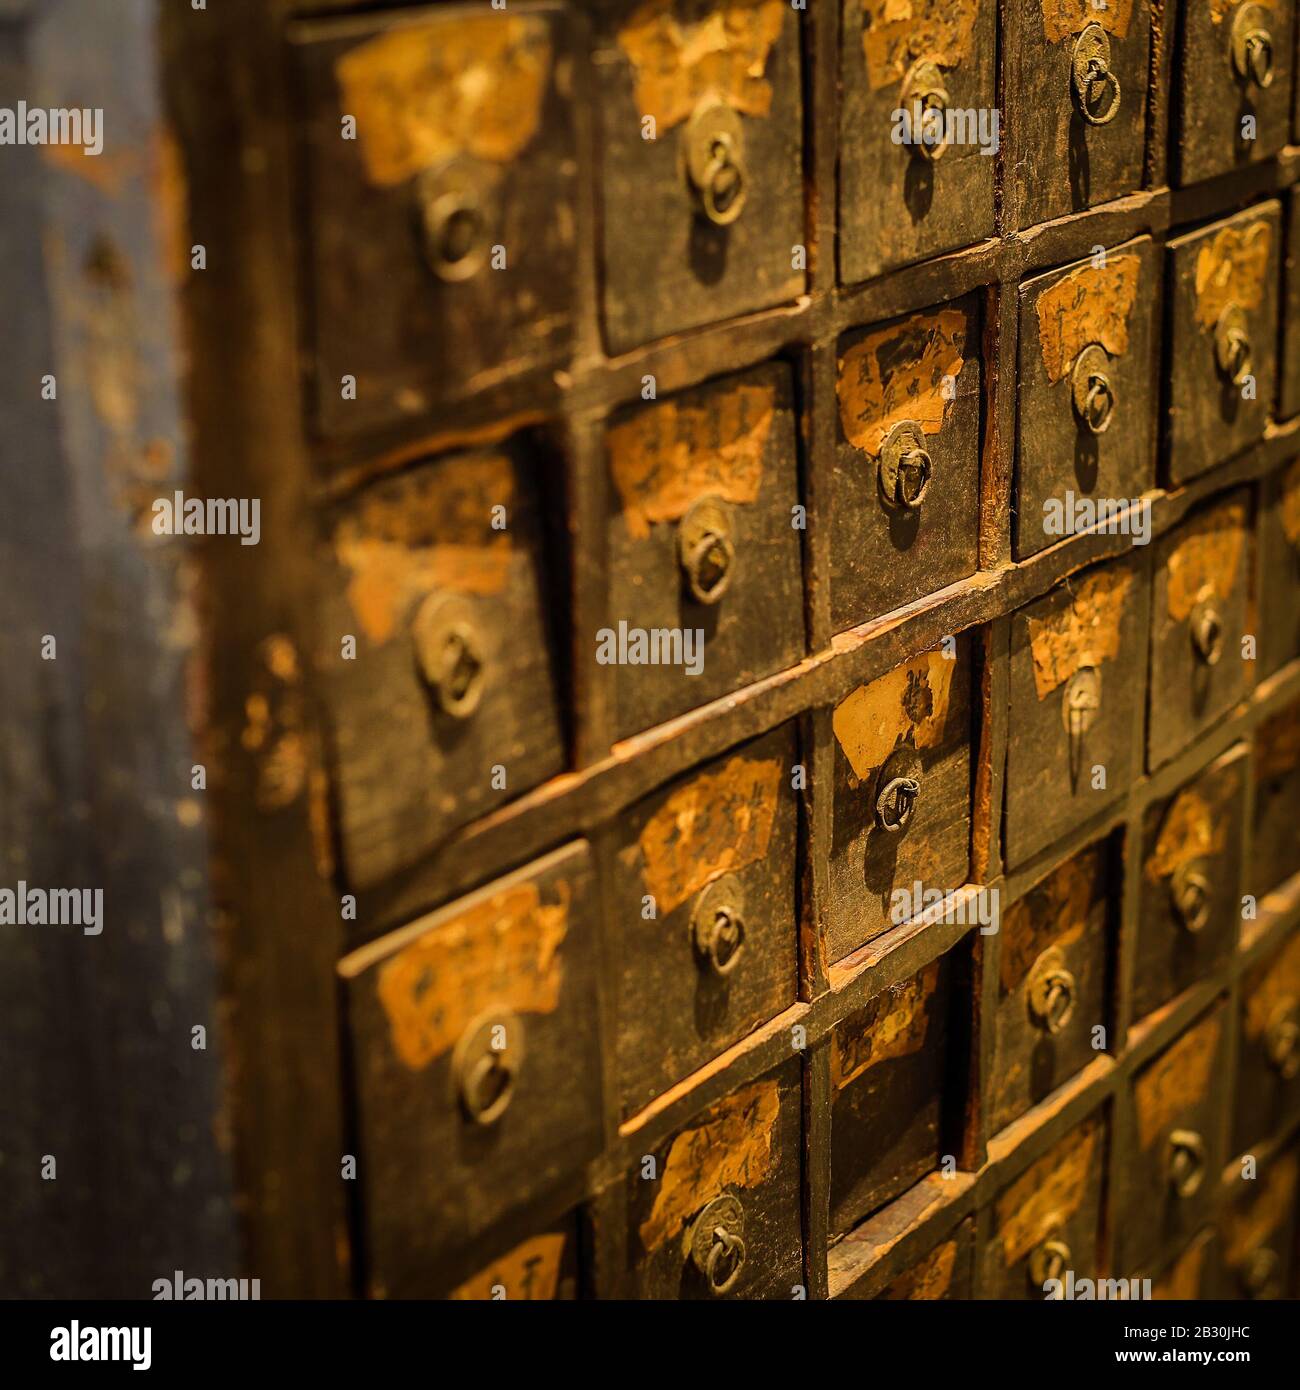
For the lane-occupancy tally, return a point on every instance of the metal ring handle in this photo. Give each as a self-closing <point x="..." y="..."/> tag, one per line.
<point x="904" y="468"/>
<point x="896" y="802"/>
<point x="453" y="227"/>
<point x="1048" y="1260"/>
<point x="1207" y="632"/>
<point x="708" y="565"/>
<point x="1185" y="1165"/>
<point x="1282" y="1039"/>
<point x="720" y="939"/>
<point x="726" y="1245"/>
<point x="721" y="199"/>
<point x="450" y="653"/>
<point x="1192" y="896"/>
<point x="1053" y="991"/>
<point x="1090" y="67"/>
<point x="1252" y="46"/>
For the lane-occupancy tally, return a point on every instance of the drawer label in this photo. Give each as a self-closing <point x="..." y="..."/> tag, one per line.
<point x="503" y="950"/>
<point x="734" y="1146"/>
<point x="434" y="531"/>
<point x="1175" y="1082"/>
<point x="530" y="1271"/>
<point x="665" y="457"/>
<point x="906" y="372"/>
<point x="425" y="93"/>
<point x="897" y="32"/>
<point x="897" y="1027"/>
<point x="874" y="719"/>
<point x="1056" y="912"/>
<point x="1276" y="981"/>
<point x="719" y="823"/>
<point x="723" y="55"/>
<point x="1277" y="745"/>
<point x="1190" y="831"/>
<point x="1054" y="1186"/>
<point x="1089" y="305"/>
<point x="1062" y="19"/>
<point x="1085" y="632"/>
<point x="1231" y="269"/>
<point x="1207" y="557"/>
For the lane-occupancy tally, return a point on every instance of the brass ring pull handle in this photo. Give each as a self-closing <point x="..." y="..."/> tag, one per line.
<point x="1282" y="1038"/>
<point x="1093" y="393"/>
<point x="1252" y="46"/>
<point x="1192" y="896"/>
<point x="905" y="468"/>
<point x="450" y="654"/>
<point x="1050" y="1258"/>
<point x="718" y="925"/>
<point x="1052" y="991"/>
<point x="706" y="550"/>
<point x="715" y="162"/>
<point x="898" y="785"/>
<point x="1207" y="630"/>
<point x="1093" y="78"/>
<point x="717" y="1243"/>
<point x="453" y="223"/>
<point x="1233" y="354"/>
<point x="485" y="1065"/>
<point x="923" y="87"/>
<point x="1261" y="1275"/>
<point x="1185" y="1162"/>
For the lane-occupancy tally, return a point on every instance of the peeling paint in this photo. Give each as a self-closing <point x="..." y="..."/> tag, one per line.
<point x="1089" y="305"/>
<point x="1054" y="1186"/>
<point x="1085" y="632"/>
<point x="1231" y="269"/>
<point x="893" y="1025"/>
<point x="907" y="705"/>
<point x="1057" y="912"/>
<point x="1175" y="1081"/>
<point x="1190" y="830"/>
<point x="1063" y="19"/>
<point x="898" y="33"/>
<point x="530" y="1272"/>
<point x="1206" y="560"/>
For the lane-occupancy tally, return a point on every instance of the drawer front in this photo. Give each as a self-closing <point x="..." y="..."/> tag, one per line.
<point x="946" y="1273"/>
<point x="474" y="1049"/>
<point x="701" y="180"/>
<point x="1275" y="845"/>
<point x="439" y="202"/>
<point x="1199" y="612"/>
<point x="1222" y="349"/>
<point x="1046" y="1223"/>
<point x="1075" y="145"/>
<point x="1191" y="883"/>
<point x="449" y="707"/>
<point x="1052" y="982"/>
<point x="1192" y="1274"/>
<point x="1289" y="385"/>
<point x="1078" y="671"/>
<point x="543" y="1268"/>
<point x="1222" y="116"/>
<point x="714" y="1211"/>
<point x="906" y="509"/>
<point x="1279" y="539"/>
<point x="703" y="545"/>
<point x="703" y="885"/>
<point x="902" y="199"/>
<point x="1086" y="426"/>
<point x="1259" y="1245"/>
<point x="911" y="726"/>
<point x="891" y="1076"/>
<point x="1176" y="1128"/>
<point x="1268" y="1050"/>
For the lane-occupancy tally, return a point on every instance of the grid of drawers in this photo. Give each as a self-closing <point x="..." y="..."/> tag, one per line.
<point x="647" y="987"/>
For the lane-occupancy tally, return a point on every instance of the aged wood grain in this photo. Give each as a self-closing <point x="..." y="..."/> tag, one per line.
<point x="1092" y="304"/>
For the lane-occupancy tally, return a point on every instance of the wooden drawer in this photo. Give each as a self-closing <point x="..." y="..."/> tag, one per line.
<point x="1072" y="146"/>
<point x="1078" y="676"/>
<point x="1191" y="882"/>
<point x="1175" y="1124"/>
<point x="895" y="1091"/>
<point x="1279" y="597"/>
<point x="1052" y="982"/>
<point x="473" y="1038"/>
<point x="1217" y="89"/>
<point x="735" y="1168"/>
<point x="449" y="706"/>
<point x="1047" y="1221"/>
<point x="543" y="1268"/>
<point x="701" y="183"/>
<point x="1086" y="425"/>
<point x="1275" y="846"/>
<point x="439" y="223"/>
<point x="702" y="543"/>
<point x="899" y="204"/>
<point x="1289" y="372"/>
<point x="906" y="492"/>
<point x="912" y="725"/>
<point x="1267" y="1095"/>
<point x="1222" y="338"/>
<point x="1192" y="1273"/>
<point x="1199" y="612"/>
<point x="947" y="1272"/>
<point x="1259" y="1225"/>
<point x="703" y="886"/>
